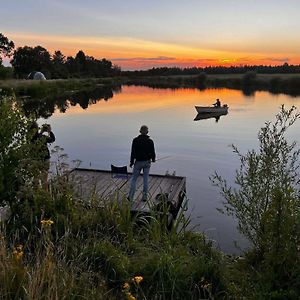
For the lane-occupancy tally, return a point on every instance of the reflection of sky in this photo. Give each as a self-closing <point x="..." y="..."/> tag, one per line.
<point x="102" y="134"/>
<point x="142" y="34"/>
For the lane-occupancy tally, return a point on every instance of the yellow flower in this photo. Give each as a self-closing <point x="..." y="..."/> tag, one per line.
<point x="138" y="279"/>
<point x="19" y="248"/>
<point x="47" y="222"/>
<point x="130" y="296"/>
<point x="18" y="252"/>
<point x="126" y="286"/>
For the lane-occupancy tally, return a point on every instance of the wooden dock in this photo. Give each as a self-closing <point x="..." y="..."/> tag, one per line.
<point x="91" y="183"/>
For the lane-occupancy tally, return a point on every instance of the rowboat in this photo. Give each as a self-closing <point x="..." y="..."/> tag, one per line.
<point x="212" y="109"/>
<point x="216" y="115"/>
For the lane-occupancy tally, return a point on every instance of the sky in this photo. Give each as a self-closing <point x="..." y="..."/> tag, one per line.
<point x="140" y="34"/>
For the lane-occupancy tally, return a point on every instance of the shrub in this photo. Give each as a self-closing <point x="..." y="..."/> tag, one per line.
<point x="266" y="202"/>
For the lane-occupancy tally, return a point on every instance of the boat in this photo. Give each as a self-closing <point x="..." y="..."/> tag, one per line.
<point x="216" y="115"/>
<point x="212" y="109"/>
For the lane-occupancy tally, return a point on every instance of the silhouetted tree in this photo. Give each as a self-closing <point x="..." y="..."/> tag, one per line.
<point x="27" y="59"/>
<point x="6" y="46"/>
<point x="59" y="69"/>
<point x="80" y="61"/>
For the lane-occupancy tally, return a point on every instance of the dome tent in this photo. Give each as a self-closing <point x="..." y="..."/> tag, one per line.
<point x="36" y="76"/>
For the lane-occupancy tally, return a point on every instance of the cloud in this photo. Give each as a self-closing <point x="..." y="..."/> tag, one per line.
<point x="277" y="59"/>
<point x="145" y="59"/>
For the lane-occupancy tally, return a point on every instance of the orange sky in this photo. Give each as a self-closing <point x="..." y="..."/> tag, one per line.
<point x="140" y="34"/>
<point x="131" y="53"/>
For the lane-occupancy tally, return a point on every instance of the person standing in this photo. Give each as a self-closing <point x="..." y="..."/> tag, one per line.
<point x="142" y="154"/>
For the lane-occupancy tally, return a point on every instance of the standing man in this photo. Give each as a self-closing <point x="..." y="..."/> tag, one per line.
<point x="142" y="153"/>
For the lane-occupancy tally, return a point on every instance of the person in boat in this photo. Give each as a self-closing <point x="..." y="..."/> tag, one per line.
<point x="142" y="154"/>
<point x="217" y="103"/>
<point x="40" y="140"/>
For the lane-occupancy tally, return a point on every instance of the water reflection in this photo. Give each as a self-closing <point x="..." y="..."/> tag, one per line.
<point x="204" y="116"/>
<point x="99" y="132"/>
<point x="45" y="108"/>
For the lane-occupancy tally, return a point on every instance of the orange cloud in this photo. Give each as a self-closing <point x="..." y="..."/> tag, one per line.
<point x="130" y="53"/>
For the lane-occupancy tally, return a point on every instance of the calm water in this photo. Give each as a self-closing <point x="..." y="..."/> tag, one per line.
<point x="102" y="133"/>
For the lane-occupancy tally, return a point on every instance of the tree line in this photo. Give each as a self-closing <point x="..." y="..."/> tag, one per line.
<point x="259" y="69"/>
<point x="28" y="59"/>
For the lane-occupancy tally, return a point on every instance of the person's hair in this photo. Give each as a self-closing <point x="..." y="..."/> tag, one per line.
<point x="144" y="129"/>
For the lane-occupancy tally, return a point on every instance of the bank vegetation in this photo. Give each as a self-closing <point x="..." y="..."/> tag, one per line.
<point x="55" y="245"/>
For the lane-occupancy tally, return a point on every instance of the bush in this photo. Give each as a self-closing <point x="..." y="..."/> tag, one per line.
<point x="266" y="203"/>
<point x="6" y="73"/>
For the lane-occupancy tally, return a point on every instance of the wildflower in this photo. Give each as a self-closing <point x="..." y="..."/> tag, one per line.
<point x="126" y="286"/>
<point x="205" y="284"/>
<point x="137" y="279"/>
<point x="130" y="296"/>
<point x="19" y="248"/>
<point x="47" y="222"/>
<point x="18" y="252"/>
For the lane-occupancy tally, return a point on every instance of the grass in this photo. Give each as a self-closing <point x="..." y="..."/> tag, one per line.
<point x="56" y="245"/>
<point x="35" y="89"/>
<point x="71" y="251"/>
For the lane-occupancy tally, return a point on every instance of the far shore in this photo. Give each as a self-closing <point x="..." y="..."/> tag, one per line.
<point x="248" y="82"/>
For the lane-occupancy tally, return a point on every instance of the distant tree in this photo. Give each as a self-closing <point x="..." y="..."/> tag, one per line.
<point x="6" y="46"/>
<point x="59" y="69"/>
<point x="80" y="61"/>
<point x="116" y="70"/>
<point x="6" y="72"/>
<point x="27" y="59"/>
<point x="58" y="57"/>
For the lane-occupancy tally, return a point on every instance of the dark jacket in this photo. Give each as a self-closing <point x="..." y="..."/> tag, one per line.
<point x="142" y="149"/>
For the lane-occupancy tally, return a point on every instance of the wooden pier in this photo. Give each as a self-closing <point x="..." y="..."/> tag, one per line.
<point x="103" y="184"/>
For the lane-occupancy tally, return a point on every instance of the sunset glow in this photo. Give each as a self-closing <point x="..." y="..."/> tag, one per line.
<point x="142" y="99"/>
<point x="142" y="37"/>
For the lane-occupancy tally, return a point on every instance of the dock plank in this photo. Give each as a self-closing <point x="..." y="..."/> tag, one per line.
<point x="100" y="183"/>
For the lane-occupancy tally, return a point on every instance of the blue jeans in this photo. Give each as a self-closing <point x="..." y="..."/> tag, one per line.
<point x="138" y="166"/>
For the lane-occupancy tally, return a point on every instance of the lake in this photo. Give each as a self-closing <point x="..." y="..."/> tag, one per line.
<point x="101" y="134"/>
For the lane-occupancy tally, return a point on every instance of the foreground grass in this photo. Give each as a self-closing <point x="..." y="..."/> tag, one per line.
<point x="58" y="246"/>
<point x="99" y="252"/>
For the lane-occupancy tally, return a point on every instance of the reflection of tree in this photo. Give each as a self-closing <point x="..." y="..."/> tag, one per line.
<point x="248" y="91"/>
<point x="85" y="98"/>
<point x="44" y="108"/>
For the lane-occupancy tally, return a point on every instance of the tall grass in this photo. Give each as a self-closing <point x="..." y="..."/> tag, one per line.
<point x="91" y="251"/>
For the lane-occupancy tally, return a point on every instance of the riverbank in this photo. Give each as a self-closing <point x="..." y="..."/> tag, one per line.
<point x="249" y="83"/>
